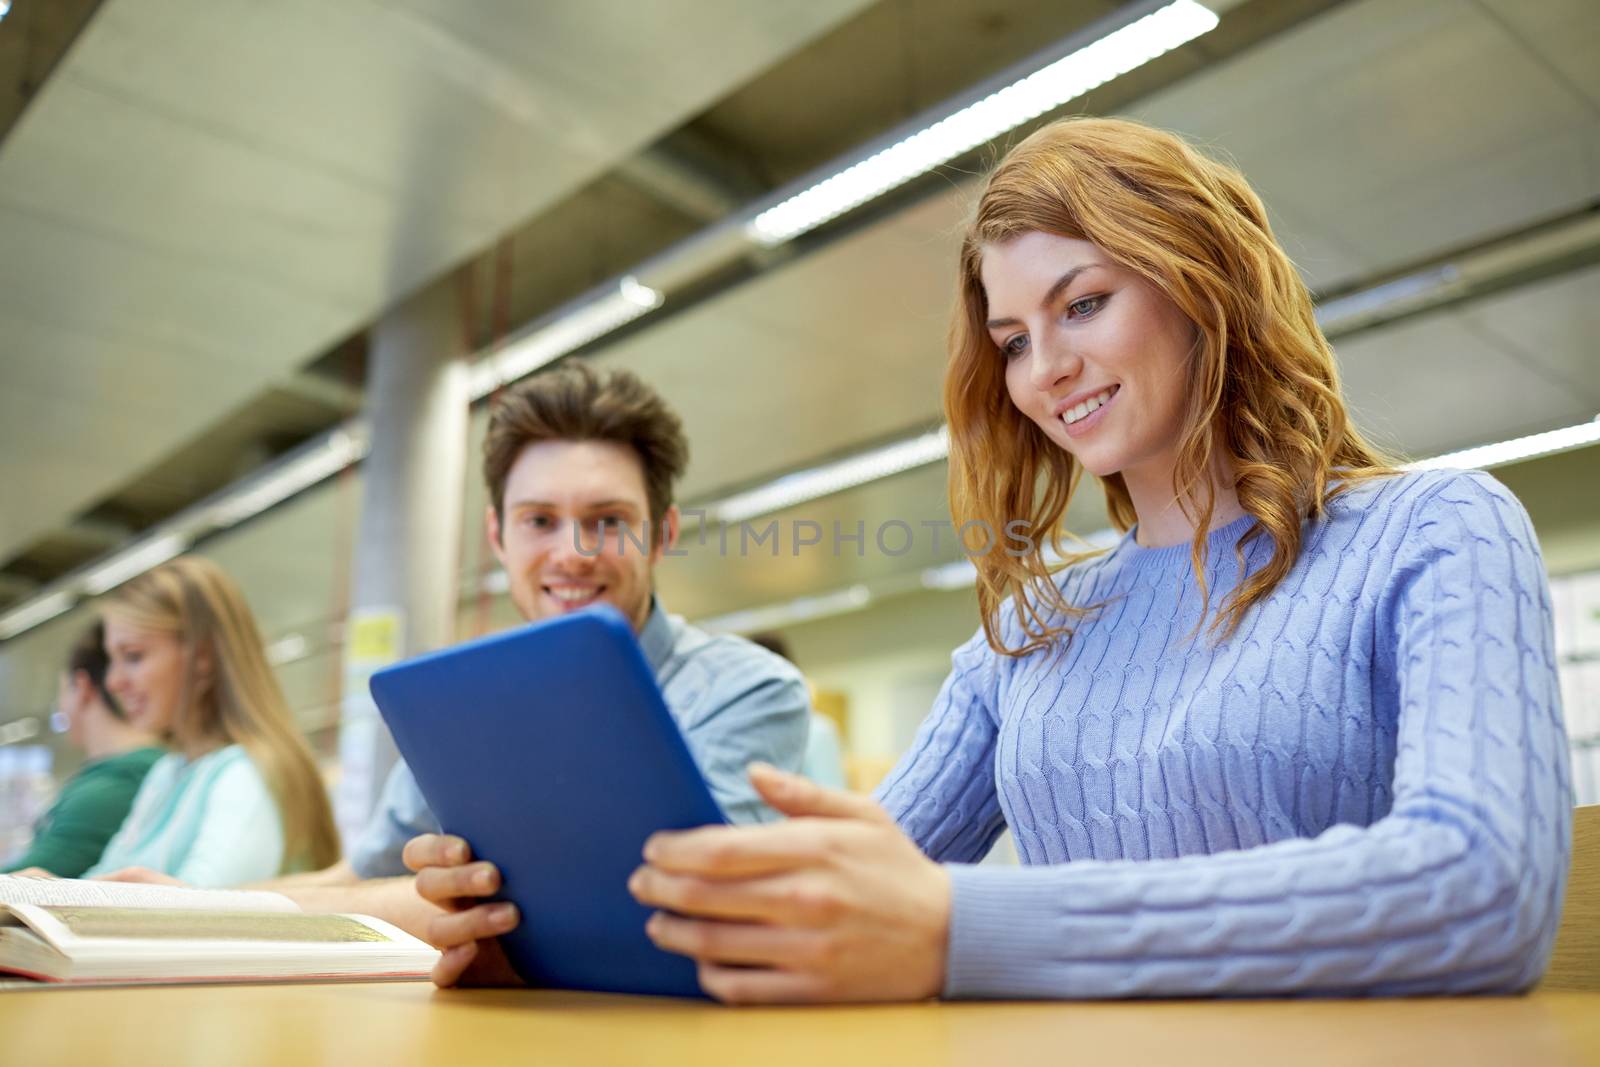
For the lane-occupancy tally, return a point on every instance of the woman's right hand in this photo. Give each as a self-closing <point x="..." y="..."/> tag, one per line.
<point x="468" y="933"/>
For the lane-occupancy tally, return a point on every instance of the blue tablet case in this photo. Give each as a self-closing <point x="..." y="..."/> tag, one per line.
<point x="550" y="750"/>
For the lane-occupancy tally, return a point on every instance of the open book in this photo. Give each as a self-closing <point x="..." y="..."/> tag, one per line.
<point x="94" y="933"/>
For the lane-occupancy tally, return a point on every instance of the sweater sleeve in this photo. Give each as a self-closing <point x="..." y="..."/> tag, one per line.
<point x="1457" y="889"/>
<point x="942" y="792"/>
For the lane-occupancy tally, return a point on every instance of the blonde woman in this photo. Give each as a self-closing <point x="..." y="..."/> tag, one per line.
<point x="1298" y="732"/>
<point x="238" y="798"/>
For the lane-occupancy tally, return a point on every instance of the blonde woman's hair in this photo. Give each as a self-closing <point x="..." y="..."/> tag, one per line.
<point x="238" y="701"/>
<point x="1264" y="398"/>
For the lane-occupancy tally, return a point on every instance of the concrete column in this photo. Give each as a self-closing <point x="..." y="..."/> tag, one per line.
<point x="403" y="595"/>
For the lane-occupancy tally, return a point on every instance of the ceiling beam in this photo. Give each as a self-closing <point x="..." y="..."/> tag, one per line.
<point x="1525" y="256"/>
<point x="341" y="397"/>
<point x="15" y="586"/>
<point x="102" y="533"/>
<point x="695" y="176"/>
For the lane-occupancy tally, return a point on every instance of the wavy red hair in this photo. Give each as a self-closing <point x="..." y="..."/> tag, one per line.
<point x="1264" y="402"/>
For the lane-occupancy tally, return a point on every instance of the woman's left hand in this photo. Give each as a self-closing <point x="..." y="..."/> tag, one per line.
<point x="139" y="874"/>
<point x="834" y="904"/>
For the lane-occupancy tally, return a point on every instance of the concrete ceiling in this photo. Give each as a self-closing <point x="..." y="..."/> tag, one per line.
<point x="1364" y="130"/>
<point x="1381" y="133"/>
<point x="208" y="193"/>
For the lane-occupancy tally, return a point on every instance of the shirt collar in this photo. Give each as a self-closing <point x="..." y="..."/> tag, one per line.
<point x="656" y="639"/>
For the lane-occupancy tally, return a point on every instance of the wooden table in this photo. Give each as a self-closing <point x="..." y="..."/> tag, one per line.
<point x="357" y="1025"/>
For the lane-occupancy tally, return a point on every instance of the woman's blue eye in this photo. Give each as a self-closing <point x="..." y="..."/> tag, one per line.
<point x="1084" y="307"/>
<point x="1016" y="346"/>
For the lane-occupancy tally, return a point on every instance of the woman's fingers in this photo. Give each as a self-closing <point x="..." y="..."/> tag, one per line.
<point x="789" y="899"/>
<point x="745" y="985"/>
<point x="822" y="822"/>
<point x="795" y="795"/>
<point x="740" y="944"/>
<point x="751" y="851"/>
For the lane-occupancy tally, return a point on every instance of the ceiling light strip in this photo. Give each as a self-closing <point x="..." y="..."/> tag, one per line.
<point x="1533" y="446"/>
<point x="963" y="574"/>
<point x="1342" y="314"/>
<point x="1112" y="55"/>
<point x="40" y="609"/>
<point x="806" y="485"/>
<point x="817" y="482"/>
<point x="566" y="332"/>
<point x="286" y="477"/>
<point x="292" y="475"/>
<point x="133" y="561"/>
<point x="801" y="609"/>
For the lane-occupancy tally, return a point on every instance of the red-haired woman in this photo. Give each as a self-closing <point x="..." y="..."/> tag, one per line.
<point x="1297" y="732"/>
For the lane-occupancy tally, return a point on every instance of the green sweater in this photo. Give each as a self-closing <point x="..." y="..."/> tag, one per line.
<point x="70" y="837"/>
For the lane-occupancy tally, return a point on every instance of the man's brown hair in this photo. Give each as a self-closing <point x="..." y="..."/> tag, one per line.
<point x="577" y="404"/>
<point x="89" y="656"/>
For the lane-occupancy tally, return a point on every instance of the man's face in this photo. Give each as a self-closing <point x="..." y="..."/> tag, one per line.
<point x="576" y="530"/>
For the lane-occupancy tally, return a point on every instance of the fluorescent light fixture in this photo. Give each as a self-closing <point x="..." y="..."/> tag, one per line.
<point x="496" y="582"/>
<point x="1044" y="90"/>
<point x="572" y="331"/>
<point x="18" y="730"/>
<point x="322" y="460"/>
<point x="287" y="649"/>
<point x="134" y="561"/>
<point x="961" y="574"/>
<point x="36" y="611"/>
<point x="957" y="574"/>
<point x="814" y="483"/>
<point x="5" y="8"/>
<point x="801" y="609"/>
<point x="1386" y="300"/>
<point x="801" y="486"/>
<point x="1533" y="446"/>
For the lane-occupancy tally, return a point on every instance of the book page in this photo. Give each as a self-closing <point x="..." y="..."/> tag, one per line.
<point x="77" y="892"/>
<point x="142" y="924"/>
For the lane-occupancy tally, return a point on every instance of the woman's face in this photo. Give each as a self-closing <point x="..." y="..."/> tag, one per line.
<point x="1096" y="356"/>
<point x="146" y="675"/>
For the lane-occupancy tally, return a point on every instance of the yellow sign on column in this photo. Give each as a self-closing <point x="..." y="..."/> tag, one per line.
<point x="374" y="638"/>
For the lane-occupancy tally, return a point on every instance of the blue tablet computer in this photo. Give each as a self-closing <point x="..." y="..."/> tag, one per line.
<point x="550" y="750"/>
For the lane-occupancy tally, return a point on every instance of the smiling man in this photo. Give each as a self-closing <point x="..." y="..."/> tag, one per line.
<point x="580" y="469"/>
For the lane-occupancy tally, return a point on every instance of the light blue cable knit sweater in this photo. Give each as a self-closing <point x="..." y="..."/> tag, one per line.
<point x="1364" y="790"/>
